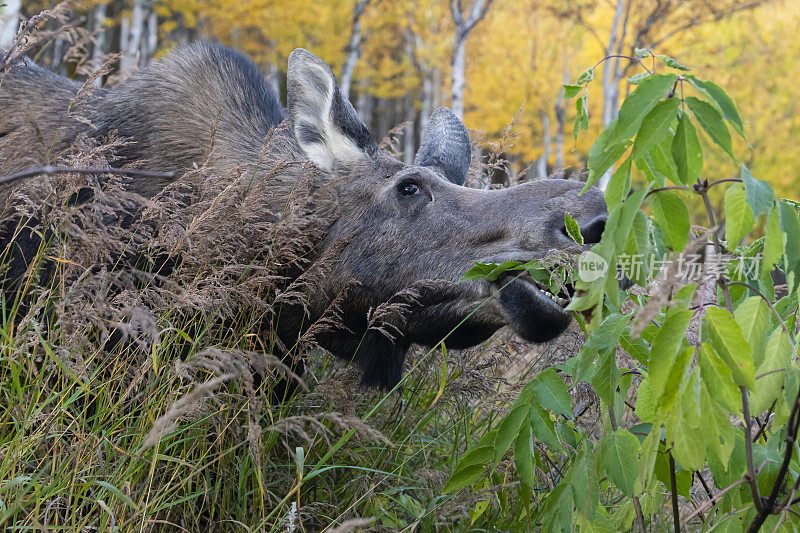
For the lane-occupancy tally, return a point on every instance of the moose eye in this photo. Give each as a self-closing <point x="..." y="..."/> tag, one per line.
<point x="408" y="188"/>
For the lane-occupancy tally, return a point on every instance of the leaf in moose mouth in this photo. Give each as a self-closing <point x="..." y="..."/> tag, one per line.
<point x="553" y="275"/>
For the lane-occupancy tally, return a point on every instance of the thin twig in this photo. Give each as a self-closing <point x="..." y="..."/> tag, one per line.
<point x="668" y="188"/>
<point x="50" y="170"/>
<point x="725" y="180"/>
<point x="709" y="504"/>
<point x="676" y="517"/>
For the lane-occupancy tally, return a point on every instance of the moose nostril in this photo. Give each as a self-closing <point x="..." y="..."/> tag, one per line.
<point x="594" y="230"/>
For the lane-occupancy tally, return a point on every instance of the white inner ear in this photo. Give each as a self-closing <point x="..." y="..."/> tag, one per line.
<point x="315" y="112"/>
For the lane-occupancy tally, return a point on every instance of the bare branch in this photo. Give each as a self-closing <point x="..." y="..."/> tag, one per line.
<point x="50" y="170"/>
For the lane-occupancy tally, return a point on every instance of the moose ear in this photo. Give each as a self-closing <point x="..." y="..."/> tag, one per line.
<point x="445" y="146"/>
<point x="326" y="126"/>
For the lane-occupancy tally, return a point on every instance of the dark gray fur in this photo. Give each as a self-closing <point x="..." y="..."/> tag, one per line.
<point x="390" y="240"/>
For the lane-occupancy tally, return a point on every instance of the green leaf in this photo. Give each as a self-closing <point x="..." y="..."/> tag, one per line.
<point x="469" y="469"/>
<point x="583" y="483"/>
<point x="773" y="244"/>
<point x="776" y="358"/>
<point x="686" y="151"/>
<point x="543" y="427"/>
<point x="754" y="317"/>
<point x="573" y="230"/>
<point x="602" y="340"/>
<point x="619" y="185"/>
<point x="672" y="217"/>
<point x="638" y="246"/>
<point x="551" y="391"/>
<point x="739" y="218"/>
<point x="620" y="455"/>
<point x="601" y="159"/>
<point x="718" y="377"/>
<point x="655" y="126"/>
<point x="523" y="455"/>
<point x="645" y="408"/>
<point x="586" y="76"/>
<point x="649" y="454"/>
<point x="621" y="218"/>
<point x="721" y="98"/>
<point x="760" y="196"/>
<point x="508" y="429"/>
<point x="663" y="161"/>
<point x="717" y="419"/>
<point x="712" y="123"/>
<point x="672" y="63"/>
<point x="606" y="379"/>
<point x="581" y="115"/>
<point x="570" y="91"/>
<point x="729" y="343"/>
<point x="636" y="79"/>
<point x="790" y="225"/>
<point x="638" y="104"/>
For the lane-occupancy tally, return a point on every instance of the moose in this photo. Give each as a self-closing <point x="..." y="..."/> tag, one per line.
<point x="395" y="226"/>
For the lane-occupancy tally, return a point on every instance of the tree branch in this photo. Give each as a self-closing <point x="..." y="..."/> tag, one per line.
<point x="50" y="170"/>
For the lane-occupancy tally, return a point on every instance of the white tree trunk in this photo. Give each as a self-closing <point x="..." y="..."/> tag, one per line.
<point x="561" y="118"/>
<point x="274" y="79"/>
<point x="427" y="100"/>
<point x="151" y="40"/>
<point x="610" y="82"/>
<point x="353" y="48"/>
<point x="457" y="77"/>
<point x="99" y="35"/>
<point x="457" y="60"/>
<point x="408" y="136"/>
<point x="365" y="103"/>
<point x="541" y="164"/>
<point x="9" y="22"/>
<point x="131" y="39"/>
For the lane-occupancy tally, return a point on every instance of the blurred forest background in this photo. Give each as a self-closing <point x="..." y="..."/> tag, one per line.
<point x="486" y="59"/>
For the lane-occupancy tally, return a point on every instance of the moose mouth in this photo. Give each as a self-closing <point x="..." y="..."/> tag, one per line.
<point x="561" y="300"/>
<point x="532" y="309"/>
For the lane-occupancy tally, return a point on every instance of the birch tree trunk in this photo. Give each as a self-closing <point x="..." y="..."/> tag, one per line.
<point x="99" y="31"/>
<point x="541" y="164"/>
<point x="610" y="82"/>
<point x="131" y="39"/>
<point x="365" y="103"/>
<point x="408" y="136"/>
<point x="274" y="79"/>
<point x="353" y="48"/>
<point x="561" y="118"/>
<point x="463" y="27"/>
<point x="427" y="100"/>
<point x="151" y="39"/>
<point x="9" y="22"/>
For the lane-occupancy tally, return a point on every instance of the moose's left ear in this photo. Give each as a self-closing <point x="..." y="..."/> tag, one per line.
<point x="445" y="146"/>
<point x="326" y="126"/>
